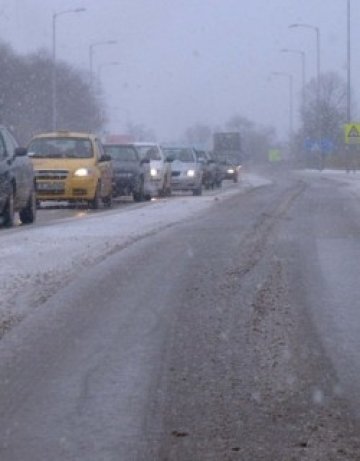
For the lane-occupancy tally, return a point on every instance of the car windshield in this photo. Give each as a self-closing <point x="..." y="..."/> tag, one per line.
<point x="180" y="154"/>
<point x="60" y="148"/>
<point x="149" y="152"/>
<point x="121" y="153"/>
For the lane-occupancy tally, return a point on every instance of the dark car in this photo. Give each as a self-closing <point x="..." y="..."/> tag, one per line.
<point x="211" y="177"/>
<point x="17" y="181"/>
<point x="128" y="170"/>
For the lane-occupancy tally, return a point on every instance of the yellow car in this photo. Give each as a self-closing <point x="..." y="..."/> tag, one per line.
<point x="71" y="166"/>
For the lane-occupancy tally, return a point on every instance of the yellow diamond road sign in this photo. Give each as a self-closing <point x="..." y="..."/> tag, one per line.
<point x="352" y="133"/>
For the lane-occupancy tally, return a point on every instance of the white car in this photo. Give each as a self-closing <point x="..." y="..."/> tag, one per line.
<point x="186" y="170"/>
<point x="158" y="181"/>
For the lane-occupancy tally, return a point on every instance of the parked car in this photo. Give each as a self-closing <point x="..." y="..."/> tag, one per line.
<point x="210" y="177"/>
<point x="17" y="181"/>
<point x="129" y="170"/>
<point x="186" y="170"/>
<point x="159" y="181"/>
<point x="72" y="167"/>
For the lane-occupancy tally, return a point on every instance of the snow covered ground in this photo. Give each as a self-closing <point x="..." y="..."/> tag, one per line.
<point x="38" y="260"/>
<point x="351" y="179"/>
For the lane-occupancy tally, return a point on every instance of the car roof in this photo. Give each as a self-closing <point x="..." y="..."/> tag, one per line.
<point x="119" y="144"/>
<point x="66" y="134"/>
<point x="142" y="143"/>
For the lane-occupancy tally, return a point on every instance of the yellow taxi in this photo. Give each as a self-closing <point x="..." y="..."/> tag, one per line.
<point x="71" y="166"/>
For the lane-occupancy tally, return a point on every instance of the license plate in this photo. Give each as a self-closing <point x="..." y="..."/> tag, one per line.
<point x="49" y="186"/>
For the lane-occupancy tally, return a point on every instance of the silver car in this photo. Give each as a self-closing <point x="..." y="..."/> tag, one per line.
<point x="158" y="181"/>
<point x="186" y="170"/>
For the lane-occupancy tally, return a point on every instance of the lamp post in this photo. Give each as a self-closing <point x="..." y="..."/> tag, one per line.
<point x="291" y="99"/>
<point x="317" y="31"/>
<point x="91" y="56"/>
<point x="319" y="129"/>
<point x="53" y="78"/>
<point x="348" y="65"/>
<point x="303" y="67"/>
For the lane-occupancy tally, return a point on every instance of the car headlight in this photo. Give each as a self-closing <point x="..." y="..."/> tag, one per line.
<point x="231" y="171"/>
<point x="153" y="172"/>
<point x="82" y="172"/>
<point x="191" y="173"/>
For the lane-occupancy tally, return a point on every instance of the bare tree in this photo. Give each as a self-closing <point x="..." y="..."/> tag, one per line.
<point x="139" y="132"/>
<point x="256" y="140"/>
<point x="198" y="135"/>
<point x="324" y="117"/>
<point x="25" y="95"/>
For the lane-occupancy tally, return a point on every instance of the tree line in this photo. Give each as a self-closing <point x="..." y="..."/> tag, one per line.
<point x="26" y="95"/>
<point x="319" y="140"/>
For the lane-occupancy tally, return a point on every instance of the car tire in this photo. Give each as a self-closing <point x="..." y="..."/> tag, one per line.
<point x="108" y="201"/>
<point x="95" y="202"/>
<point x="9" y="214"/>
<point x="197" y="191"/>
<point x="138" y="196"/>
<point x="28" y="214"/>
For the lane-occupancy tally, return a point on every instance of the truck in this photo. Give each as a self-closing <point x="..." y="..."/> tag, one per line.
<point x="228" y="151"/>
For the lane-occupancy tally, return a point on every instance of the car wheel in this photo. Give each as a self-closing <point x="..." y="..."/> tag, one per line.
<point x="138" y="196"/>
<point x="108" y="201"/>
<point x="9" y="215"/>
<point x="28" y="214"/>
<point x="95" y="202"/>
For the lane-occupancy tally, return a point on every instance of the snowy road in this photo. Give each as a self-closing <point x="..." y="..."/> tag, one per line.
<point x="215" y="328"/>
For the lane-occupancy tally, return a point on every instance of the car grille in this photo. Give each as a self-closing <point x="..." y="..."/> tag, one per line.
<point x="51" y="174"/>
<point x="175" y="173"/>
<point x="79" y="192"/>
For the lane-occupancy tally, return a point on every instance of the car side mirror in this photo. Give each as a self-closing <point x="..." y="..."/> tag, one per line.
<point x="105" y="158"/>
<point x="144" y="160"/>
<point x="20" y="152"/>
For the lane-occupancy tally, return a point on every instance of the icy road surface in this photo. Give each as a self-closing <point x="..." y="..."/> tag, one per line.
<point x="38" y="261"/>
<point x="218" y="328"/>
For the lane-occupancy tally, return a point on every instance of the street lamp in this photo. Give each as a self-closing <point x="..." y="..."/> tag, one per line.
<point x="348" y="64"/>
<point x="303" y="64"/>
<point x="317" y="31"/>
<point x="53" y="79"/>
<point x="91" y="53"/>
<point x="291" y="99"/>
<point x="319" y="129"/>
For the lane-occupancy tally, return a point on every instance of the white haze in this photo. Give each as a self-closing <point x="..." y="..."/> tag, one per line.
<point x="189" y="61"/>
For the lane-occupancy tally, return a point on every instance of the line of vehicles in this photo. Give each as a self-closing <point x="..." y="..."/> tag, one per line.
<point x="78" y="167"/>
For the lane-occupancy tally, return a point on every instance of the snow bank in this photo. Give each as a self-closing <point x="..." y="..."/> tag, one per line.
<point x="38" y="260"/>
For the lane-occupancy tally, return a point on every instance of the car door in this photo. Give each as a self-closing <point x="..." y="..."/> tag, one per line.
<point x="106" y="171"/>
<point x="19" y="170"/>
<point x="4" y="173"/>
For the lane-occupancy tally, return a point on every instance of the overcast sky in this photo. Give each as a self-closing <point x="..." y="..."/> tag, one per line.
<point x="188" y="61"/>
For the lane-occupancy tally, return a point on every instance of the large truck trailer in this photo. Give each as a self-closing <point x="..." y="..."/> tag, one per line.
<point x="228" y="151"/>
